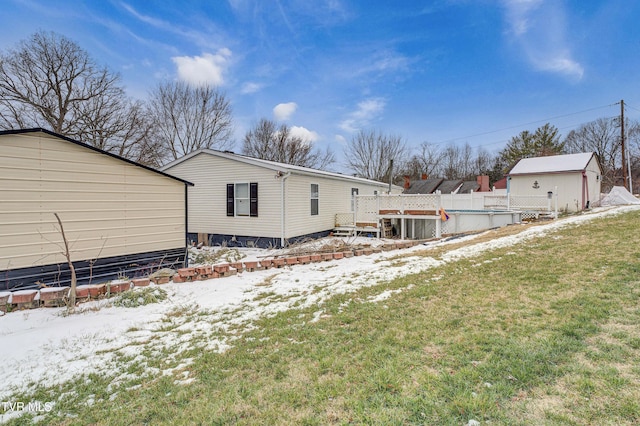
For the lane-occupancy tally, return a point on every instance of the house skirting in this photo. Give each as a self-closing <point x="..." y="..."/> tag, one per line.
<point x="103" y="269"/>
<point x="254" y="241"/>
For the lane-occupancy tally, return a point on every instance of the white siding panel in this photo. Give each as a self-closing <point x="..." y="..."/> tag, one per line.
<point x="108" y="207"/>
<point x="207" y="199"/>
<point x="334" y="197"/>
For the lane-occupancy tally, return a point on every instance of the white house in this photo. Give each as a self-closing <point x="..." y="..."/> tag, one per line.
<point x="574" y="178"/>
<point x="244" y="200"/>
<point x="119" y="217"/>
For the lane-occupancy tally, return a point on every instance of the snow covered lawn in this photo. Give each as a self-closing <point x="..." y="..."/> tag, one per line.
<point x="45" y="347"/>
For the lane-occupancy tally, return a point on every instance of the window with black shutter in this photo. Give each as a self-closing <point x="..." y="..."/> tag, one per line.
<point x="230" y="200"/>
<point x="253" y="199"/>
<point x="242" y="199"/>
<point x="315" y="195"/>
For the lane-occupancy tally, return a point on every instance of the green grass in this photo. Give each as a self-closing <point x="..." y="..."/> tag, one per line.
<point x="547" y="332"/>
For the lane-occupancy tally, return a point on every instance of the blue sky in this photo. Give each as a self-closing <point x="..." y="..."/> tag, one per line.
<point x="442" y="71"/>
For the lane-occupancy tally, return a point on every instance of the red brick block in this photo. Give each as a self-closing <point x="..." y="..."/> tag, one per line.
<point x="266" y="263"/>
<point x="251" y="266"/>
<point x="347" y="253"/>
<point x="338" y="255"/>
<point x="179" y="279"/>
<point x="161" y="280"/>
<point x="222" y="268"/>
<point x="54" y="296"/>
<point x="141" y="282"/>
<point x="291" y="260"/>
<point x="4" y="300"/>
<point x="237" y="266"/>
<point x="316" y="257"/>
<point x="82" y="292"/>
<point x="24" y="298"/>
<point x="96" y="291"/>
<point x="187" y="272"/>
<point x="327" y="256"/>
<point x="278" y="263"/>
<point x="119" y="286"/>
<point x="304" y="259"/>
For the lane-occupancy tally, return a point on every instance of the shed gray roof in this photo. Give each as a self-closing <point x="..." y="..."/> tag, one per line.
<point x="553" y="164"/>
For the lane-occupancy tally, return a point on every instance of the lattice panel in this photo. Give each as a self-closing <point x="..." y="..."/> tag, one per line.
<point x="421" y="202"/>
<point x="530" y="202"/>
<point x="366" y="208"/>
<point x="495" y="201"/>
<point x="344" y="219"/>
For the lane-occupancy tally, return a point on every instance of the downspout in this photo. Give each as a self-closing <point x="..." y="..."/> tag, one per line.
<point x="585" y="189"/>
<point x="282" y="208"/>
<point x="508" y="192"/>
<point x="186" y="226"/>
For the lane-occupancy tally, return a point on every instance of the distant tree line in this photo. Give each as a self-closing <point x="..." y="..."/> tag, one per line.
<point x="49" y="81"/>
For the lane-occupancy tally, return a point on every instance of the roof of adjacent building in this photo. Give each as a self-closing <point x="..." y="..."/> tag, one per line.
<point x="273" y="165"/>
<point x="554" y="164"/>
<point x="425" y="186"/>
<point x="468" y="186"/>
<point x="92" y="148"/>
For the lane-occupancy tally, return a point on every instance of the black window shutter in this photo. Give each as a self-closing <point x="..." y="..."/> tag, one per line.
<point x="230" y="200"/>
<point x="253" y="199"/>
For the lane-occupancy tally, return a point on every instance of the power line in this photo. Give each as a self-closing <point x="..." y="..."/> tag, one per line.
<point x="524" y="124"/>
<point x="569" y="126"/>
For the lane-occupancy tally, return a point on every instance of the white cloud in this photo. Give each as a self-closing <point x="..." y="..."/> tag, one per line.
<point x="251" y="87"/>
<point x="284" y="111"/>
<point x="367" y="110"/>
<point x="205" y="69"/>
<point x="304" y="134"/>
<point x="538" y="28"/>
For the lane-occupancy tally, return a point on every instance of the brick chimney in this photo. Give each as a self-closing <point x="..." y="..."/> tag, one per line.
<point x="483" y="181"/>
<point x="407" y="181"/>
<point x="424" y="176"/>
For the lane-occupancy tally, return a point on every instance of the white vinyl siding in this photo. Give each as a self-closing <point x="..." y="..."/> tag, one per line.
<point x="212" y="172"/>
<point x="108" y="207"/>
<point x="207" y="199"/>
<point x="567" y="185"/>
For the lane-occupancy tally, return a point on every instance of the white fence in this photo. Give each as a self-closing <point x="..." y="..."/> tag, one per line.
<point x="369" y="208"/>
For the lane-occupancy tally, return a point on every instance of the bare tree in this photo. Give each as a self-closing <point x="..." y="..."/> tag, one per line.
<point x="72" y="269"/>
<point x="269" y="141"/>
<point x="187" y="118"/>
<point x="426" y="161"/>
<point x="601" y="136"/>
<point x="369" y="154"/>
<point x="45" y="81"/>
<point x="119" y="126"/>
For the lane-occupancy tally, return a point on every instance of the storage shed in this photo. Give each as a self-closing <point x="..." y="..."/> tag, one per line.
<point x="120" y="217"/>
<point x="243" y="200"/>
<point x="574" y="178"/>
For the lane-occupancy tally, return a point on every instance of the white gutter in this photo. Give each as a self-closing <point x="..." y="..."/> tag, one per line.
<point x="282" y="210"/>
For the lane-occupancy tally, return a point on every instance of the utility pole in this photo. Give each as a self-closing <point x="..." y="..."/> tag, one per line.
<point x="624" y="156"/>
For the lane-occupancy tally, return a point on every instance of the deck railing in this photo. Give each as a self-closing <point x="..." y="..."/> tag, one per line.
<point x="369" y="208"/>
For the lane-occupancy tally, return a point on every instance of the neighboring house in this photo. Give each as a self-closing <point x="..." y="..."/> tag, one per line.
<point x="575" y="179"/>
<point x="120" y="217"/>
<point x="442" y="186"/>
<point x="249" y="201"/>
